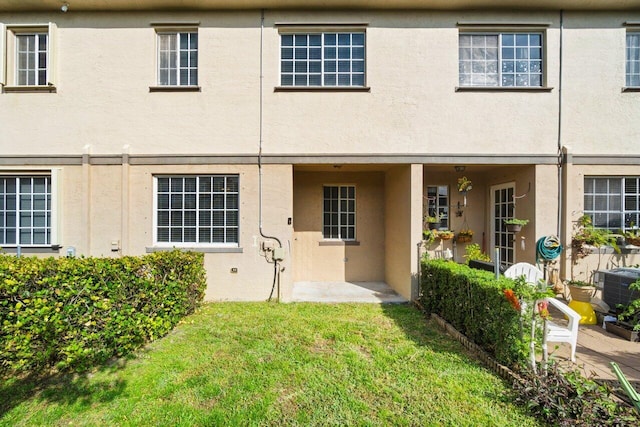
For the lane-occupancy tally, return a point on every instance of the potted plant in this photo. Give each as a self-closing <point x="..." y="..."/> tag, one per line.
<point x="474" y="252"/>
<point x="445" y="234"/>
<point x="628" y="323"/>
<point x="585" y="235"/>
<point x="632" y="236"/>
<point x="514" y="225"/>
<point x="433" y="222"/>
<point x="581" y="291"/>
<point x="464" y="184"/>
<point x="429" y="235"/>
<point x="464" y="236"/>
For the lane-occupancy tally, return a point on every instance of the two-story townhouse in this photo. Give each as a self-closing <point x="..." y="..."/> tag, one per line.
<point x="314" y="134"/>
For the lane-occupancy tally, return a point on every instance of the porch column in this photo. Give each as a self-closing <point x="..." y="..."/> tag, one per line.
<point x="403" y="227"/>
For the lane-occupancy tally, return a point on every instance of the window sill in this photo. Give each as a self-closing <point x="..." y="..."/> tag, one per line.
<point x="624" y="249"/>
<point x="174" y="89"/>
<point x="322" y="89"/>
<point x="338" y="243"/>
<point x="31" y="249"/>
<point x="502" y="89"/>
<point x="208" y="250"/>
<point x="631" y="89"/>
<point x="50" y="89"/>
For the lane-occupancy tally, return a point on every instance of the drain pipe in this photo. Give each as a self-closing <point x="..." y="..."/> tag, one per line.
<point x="276" y="258"/>
<point x="560" y="151"/>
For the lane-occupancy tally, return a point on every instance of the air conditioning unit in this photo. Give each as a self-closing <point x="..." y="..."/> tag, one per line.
<point x="615" y="285"/>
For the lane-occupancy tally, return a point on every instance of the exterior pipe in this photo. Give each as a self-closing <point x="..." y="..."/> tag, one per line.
<point x="560" y="151"/>
<point x="260" y="137"/>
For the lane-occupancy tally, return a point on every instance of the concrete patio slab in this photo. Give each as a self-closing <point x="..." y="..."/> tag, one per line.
<point x="336" y="292"/>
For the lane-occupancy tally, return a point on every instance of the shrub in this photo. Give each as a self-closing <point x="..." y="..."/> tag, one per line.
<point x="568" y="399"/>
<point x="74" y="313"/>
<point x="474" y="302"/>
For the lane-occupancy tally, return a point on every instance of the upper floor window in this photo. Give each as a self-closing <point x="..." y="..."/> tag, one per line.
<point x="501" y="59"/>
<point x="633" y="60"/>
<point x="178" y="58"/>
<point x="322" y="59"/>
<point x="613" y="202"/>
<point x="25" y="210"/>
<point x="31" y="59"/>
<point x="339" y="212"/>
<point x="197" y="209"/>
<point x="27" y="57"/>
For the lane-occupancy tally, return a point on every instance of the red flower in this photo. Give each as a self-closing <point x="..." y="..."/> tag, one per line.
<point x="543" y="309"/>
<point x="512" y="298"/>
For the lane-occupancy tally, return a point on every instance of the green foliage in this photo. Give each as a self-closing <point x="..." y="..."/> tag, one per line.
<point x="473" y="251"/>
<point x="568" y="399"/>
<point x="265" y="364"/>
<point x="586" y="234"/>
<point x="631" y="312"/>
<point x="73" y="313"/>
<point x="516" y="221"/>
<point x="474" y="302"/>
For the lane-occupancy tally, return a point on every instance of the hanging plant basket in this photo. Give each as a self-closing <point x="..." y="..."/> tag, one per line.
<point x="445" y="234"/>
<point x="434" y="225"/>
<point x="513" y="228"/>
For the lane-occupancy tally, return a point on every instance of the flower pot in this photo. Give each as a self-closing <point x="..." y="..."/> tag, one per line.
<point x="464" y="239"/>
<point x="635" y="241"/>
<point x="513" y="228"/>
<point x="621" y="331"/>
<point x="434" y="225"/>
<point x="582" y="293"/>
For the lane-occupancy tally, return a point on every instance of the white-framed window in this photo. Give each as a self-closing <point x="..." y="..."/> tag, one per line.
<point x="632" y="65"/>
<point x="31" y="59"/>
<point x="25" y="210"/>
<point x="322" y="59"/>
<point x="177" y="58"/>
<point x="513" y="59"/>
<point x="613" y="203"/>
<point x="27" y="57"/>
<point x="339" y="212"/>
<point x="438" y="203"/>
<point x="197" y="210"/>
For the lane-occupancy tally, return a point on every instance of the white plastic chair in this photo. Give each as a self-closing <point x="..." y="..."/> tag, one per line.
<point x="552" y="331"/>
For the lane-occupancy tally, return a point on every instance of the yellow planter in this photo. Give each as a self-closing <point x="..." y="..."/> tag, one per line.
<point x="584" y="309"/>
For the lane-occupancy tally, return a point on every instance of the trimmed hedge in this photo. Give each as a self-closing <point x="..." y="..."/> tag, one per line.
<point x="473" y="301"/>
<point x="74" y="313"/>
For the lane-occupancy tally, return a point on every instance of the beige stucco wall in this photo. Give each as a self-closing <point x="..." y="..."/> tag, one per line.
<point x="106" y="62"/>
<point x="91" y="218"/>
<point x="318" y="260"/>
<point x="605" y="258"/>
<point x="403" y="225"/>
<point x="598" y="118"/>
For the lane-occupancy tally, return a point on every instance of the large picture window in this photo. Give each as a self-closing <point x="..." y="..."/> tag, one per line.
<point x="25" y="210"/>
<point x="197" y="209"/>
<point x="322" y="59"/>
<point x="613" y="203"/>
<point x="339" y="213"/>
<point x="501" y="59"/>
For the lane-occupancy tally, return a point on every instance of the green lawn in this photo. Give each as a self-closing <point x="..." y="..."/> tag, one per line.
<point x="279" y="364"/>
